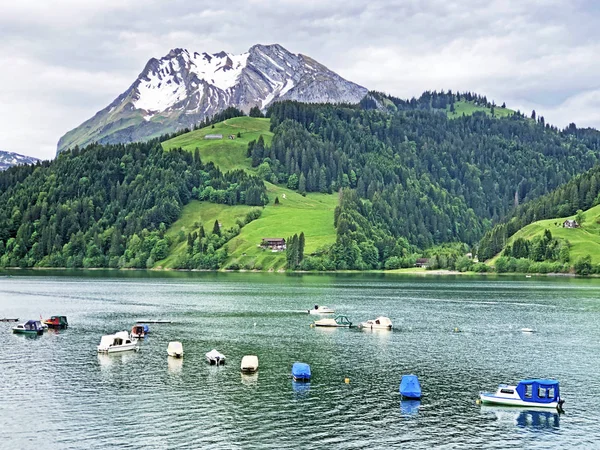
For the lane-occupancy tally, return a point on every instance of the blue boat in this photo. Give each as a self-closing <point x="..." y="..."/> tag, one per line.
<point x="537" y="393"/>
<point x="410" y="387"/>
<point x="301" y="371"/>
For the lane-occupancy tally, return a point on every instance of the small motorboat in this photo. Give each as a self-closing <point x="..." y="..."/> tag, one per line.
<point x="410" y="388"/>
<point x="31" y="327"/>
<point x="527" y="330"/>
<point x="537" y="393"/>
<point x="154" y="321"/>
<point x="301" y="371"/>
<point x="249" y="363"/>
<point x="175" y="349"/>
<point x="321" y="310"/>
<point x="215" y="358"/>
<point x="57" y="322"/>
<point x="380" y="323"/>
<point x="338" y="322"/>
<point x="118" y="342"/>
<point x="139" y="331"/>
<point x="9" y="320"/>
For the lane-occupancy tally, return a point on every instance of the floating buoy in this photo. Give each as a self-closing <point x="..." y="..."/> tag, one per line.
<point x="456" y="330"/>
<point x="347" y="380"/>
<point x="478" y="401"/>
<point x="312" y="325"/>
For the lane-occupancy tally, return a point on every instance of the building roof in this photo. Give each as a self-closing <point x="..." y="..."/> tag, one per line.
<point x="273" y="239"/>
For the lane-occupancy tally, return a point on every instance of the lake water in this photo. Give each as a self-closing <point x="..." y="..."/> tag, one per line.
<point x="55" y="389"/>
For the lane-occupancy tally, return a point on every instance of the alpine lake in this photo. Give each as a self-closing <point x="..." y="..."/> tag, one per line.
<point x="57" y="391"/>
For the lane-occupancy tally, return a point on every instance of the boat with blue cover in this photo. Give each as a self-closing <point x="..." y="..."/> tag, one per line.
<point x="410" y="388"/>
<point x="538" y="393"/>
<point x="301" y="371"/>
<point x="31" y="327"/>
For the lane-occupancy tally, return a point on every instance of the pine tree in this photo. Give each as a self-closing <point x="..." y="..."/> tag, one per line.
<point x="302" y="184"/>
<point x="217" y="228"/>
<point x="301" y="242"/>
<point x="276" y="200"/>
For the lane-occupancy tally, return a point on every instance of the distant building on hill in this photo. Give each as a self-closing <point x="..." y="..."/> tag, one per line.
<point x="213" y="136"/>
<point x="569" y="223"/>
<point x="277" y="244"/>
<point x="422" y="262"/>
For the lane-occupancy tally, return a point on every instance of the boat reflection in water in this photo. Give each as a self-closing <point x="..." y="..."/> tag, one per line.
<point x="301" y="389"/>
<point x="175" y="365"/>
<point x="250" y="379"/>
<point x="536" y="419"/>
<point x="108" y="360"/>
<point x="409" y="408"/>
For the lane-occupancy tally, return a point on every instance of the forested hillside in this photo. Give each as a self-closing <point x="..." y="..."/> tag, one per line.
<point x="109" y="206"/>
<point x="421" y="178"/>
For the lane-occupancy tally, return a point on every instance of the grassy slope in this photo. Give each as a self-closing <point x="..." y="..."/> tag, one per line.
<point x="584" y="240"/>
<point x="312" y="214"/>
<point x="226" y="153"/>
<point x="468" y="108"/>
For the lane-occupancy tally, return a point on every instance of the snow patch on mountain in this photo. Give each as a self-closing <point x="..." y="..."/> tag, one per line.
<point x="9" y="159"/>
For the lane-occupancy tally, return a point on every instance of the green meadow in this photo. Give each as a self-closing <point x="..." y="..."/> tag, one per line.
<point x="469" y="108"/>
<point x="226" y="153"/>
<point x="584" y="240"/>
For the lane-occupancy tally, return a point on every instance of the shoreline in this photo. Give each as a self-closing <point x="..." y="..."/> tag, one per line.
<point x="402" y="272"/>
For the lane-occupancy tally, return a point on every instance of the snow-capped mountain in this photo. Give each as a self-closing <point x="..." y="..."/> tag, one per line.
<point x="183" y="88"/>
<point x="9" y="159"/>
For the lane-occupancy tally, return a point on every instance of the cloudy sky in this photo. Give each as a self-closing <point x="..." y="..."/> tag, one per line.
<point x="63" y="60"/>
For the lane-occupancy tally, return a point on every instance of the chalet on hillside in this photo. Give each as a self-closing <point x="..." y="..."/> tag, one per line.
<point x="213" y="136"/>
<point x="275" y="244"/>
<point x="569" y="223"/>
<point x="422" y="262"/>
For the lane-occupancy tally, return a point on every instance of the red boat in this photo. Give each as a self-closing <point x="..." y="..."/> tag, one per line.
<point x="57" y="322"/>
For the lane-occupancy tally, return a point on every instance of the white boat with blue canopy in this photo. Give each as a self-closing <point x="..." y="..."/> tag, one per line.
<point x="537" y="393"/>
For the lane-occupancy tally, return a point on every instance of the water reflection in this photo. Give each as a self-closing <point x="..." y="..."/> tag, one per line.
<point x="537" y="419"/>
<point x="410" y="408"/>
<point x="301" y="389"/>
<point x="250" y="379"/>
<point x="108" y="360"/>
<point x="175" y="365"/>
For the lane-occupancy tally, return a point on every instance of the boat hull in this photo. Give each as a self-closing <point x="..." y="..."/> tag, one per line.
<point x="28" y="332"/>
<point x="119" y="349"/>
<point x="491" y="399"/>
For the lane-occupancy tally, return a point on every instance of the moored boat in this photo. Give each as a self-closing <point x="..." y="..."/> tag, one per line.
<point x="215" y="358"/>
<point x="321" y="310"/>
<point x="9" y="320"/>
<point x="380" y="323"/>
<point x="175" y="349"/>
<point x="338" y="322"/>
<point x="118" y="342"/>
<point x="410" y="388"/>
<point x="57" y="322"/>
<point x="139" y="331"/>
<point x="301" y="371"/>
<point x="538" y="393"/>
<point x="31" y="327"/>
<point x="249" y="363"/>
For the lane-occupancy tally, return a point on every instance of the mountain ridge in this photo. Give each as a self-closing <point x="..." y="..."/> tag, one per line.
<point x="184" y="88"/>
<point x="9" y="159"/>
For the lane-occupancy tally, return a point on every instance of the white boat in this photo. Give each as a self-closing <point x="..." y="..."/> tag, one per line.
<point x="338" y="322"/>
<point x="175" y="349"/>
<point x="321" y="310"/>
<point x="380" y="323"/>
<point x="527" y="330"/>
<point x="249" y="363"/>
<point x="536" y="393"/>
<point x="215" y="358"/>
<point x="118" y="342"/>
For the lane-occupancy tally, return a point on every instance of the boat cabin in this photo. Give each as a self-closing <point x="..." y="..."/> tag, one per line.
<point x="537" y="391"/>
<point x="57" y="322"/>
